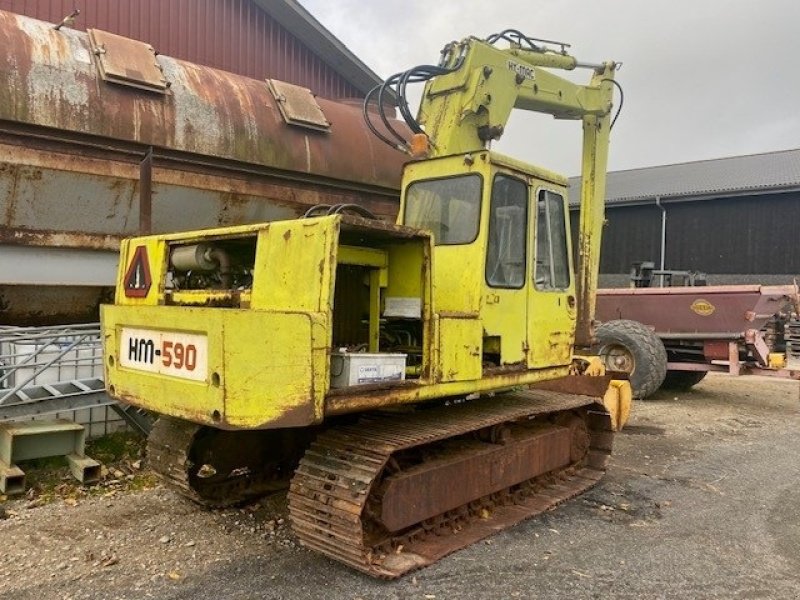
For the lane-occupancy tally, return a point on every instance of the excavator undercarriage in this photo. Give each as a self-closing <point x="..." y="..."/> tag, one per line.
<point x="484" y="465"/>
<point x="387" y="496"/>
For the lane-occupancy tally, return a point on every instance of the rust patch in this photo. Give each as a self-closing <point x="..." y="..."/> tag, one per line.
<point x="297" y="416"/>
<point x="62" y="239"/>
<point x="510" y="368"/>
<point x="287" y="235"/>
<point x="581" y="385"/>
<point x="455" y="314"/>
<point x="11" y="205"/>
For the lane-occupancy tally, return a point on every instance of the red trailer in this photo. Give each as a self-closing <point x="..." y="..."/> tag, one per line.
<point x="672" y="336"/>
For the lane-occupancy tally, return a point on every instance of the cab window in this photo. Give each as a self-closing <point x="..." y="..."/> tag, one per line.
<point x="552" y="261"/>
<point x="508" y="222"/>
<point x="450" y="208"/>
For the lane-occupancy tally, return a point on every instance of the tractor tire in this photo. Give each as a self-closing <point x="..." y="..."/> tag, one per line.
<point x="633" y="348"/>
<point x="682" y="380"/>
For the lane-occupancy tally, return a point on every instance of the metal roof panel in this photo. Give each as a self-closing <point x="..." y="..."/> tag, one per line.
<point x="702" y="179"/>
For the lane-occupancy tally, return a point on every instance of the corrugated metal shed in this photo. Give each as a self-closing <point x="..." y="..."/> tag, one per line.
<point x="722" y="177"/>
<point x="258" y="38"/>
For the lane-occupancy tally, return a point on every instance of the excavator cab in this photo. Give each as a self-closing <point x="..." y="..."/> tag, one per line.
<point x="502" y="257"/>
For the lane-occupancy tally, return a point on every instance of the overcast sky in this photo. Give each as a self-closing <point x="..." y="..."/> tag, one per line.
<point x="702" y="78"/>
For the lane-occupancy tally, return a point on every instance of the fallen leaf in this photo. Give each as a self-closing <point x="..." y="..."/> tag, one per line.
<point x="579" y="574"/>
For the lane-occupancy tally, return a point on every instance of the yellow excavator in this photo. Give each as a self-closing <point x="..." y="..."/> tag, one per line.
<point x="414" y="384"/>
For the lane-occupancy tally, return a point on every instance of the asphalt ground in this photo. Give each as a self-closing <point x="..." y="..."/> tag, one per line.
<point x="699" y="502"/>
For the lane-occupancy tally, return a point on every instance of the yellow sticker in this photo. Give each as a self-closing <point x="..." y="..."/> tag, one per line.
<point x="703" y="308"/>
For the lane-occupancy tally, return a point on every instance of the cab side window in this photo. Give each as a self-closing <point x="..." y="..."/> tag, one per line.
<point x="552" y="261"/>
<point x="508" y="223"/>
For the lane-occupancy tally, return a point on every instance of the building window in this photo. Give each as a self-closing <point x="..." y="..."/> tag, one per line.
<point x="450" y="208"/>
<point x="508" y="224"/>
<point x="552" y="261"/>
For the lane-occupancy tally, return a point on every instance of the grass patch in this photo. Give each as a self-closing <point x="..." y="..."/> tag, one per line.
<point x="123" y="445"/>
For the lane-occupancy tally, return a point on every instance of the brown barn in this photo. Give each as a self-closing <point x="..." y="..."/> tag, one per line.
<point x="262" y="39"/>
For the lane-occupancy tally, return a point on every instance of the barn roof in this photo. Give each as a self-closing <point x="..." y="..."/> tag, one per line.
<point x="302" y="24"/>
<point x="703" y="179"/>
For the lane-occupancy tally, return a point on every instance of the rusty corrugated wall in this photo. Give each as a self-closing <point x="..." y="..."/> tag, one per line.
<point x="233" y="35"/>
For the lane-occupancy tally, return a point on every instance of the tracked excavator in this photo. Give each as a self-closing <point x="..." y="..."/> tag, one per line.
<point x="414" y="384"/>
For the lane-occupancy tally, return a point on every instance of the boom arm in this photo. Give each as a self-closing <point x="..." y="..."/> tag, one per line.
<point x="468" y="106"/>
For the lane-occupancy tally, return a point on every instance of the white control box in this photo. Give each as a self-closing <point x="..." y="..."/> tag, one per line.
<point x="360" y="368"/>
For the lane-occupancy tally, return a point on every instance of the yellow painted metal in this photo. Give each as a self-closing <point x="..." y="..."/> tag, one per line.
<point x="551" y="319"/>
<point x="593" y="366"/>
<point x="618" y="400"/>
<point x="374" y="309"/>
<point x="355" y="400"/>
<point x="262" y="366"/>
<point x="268" y="364"/>
<point x="596" y="132"/>
<point x="366" y="257"/>
<point x="298" y="259"/>
<point x="203" y="297"/>
<point x="534" y="328"/>
<point x="459" y="108"/>
<point x="410" y="274"/>
<point x="459" y="349"/>
<point x="457" y="270"/>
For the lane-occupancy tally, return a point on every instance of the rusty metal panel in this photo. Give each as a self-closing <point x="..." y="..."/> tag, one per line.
<point x="471" y="469"/>
<point x="128" y="62"/>
<point x="233" y="35"/>
<point x="50" y="81"/>
<point x="298" y="105"/>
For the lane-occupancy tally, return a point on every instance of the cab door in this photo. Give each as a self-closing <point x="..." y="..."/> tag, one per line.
<point x="551" y="295"/>
<point x="505" y="301"/>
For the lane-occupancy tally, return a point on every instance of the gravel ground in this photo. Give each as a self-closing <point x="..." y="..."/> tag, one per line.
<point x="699" y="502"/>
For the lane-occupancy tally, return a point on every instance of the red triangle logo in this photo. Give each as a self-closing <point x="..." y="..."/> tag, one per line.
<point x="137" y="277"/>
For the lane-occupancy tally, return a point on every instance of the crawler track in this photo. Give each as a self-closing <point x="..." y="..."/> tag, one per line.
<point x="212" y="467"/>
<point x="358" y="486"/>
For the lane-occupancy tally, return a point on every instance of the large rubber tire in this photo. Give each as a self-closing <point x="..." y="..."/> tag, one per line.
<point x="633" y="348"/>
<point x="682" y="380"/>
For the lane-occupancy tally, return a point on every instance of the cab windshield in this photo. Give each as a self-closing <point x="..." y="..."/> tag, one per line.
<point x="450" y="208"/>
